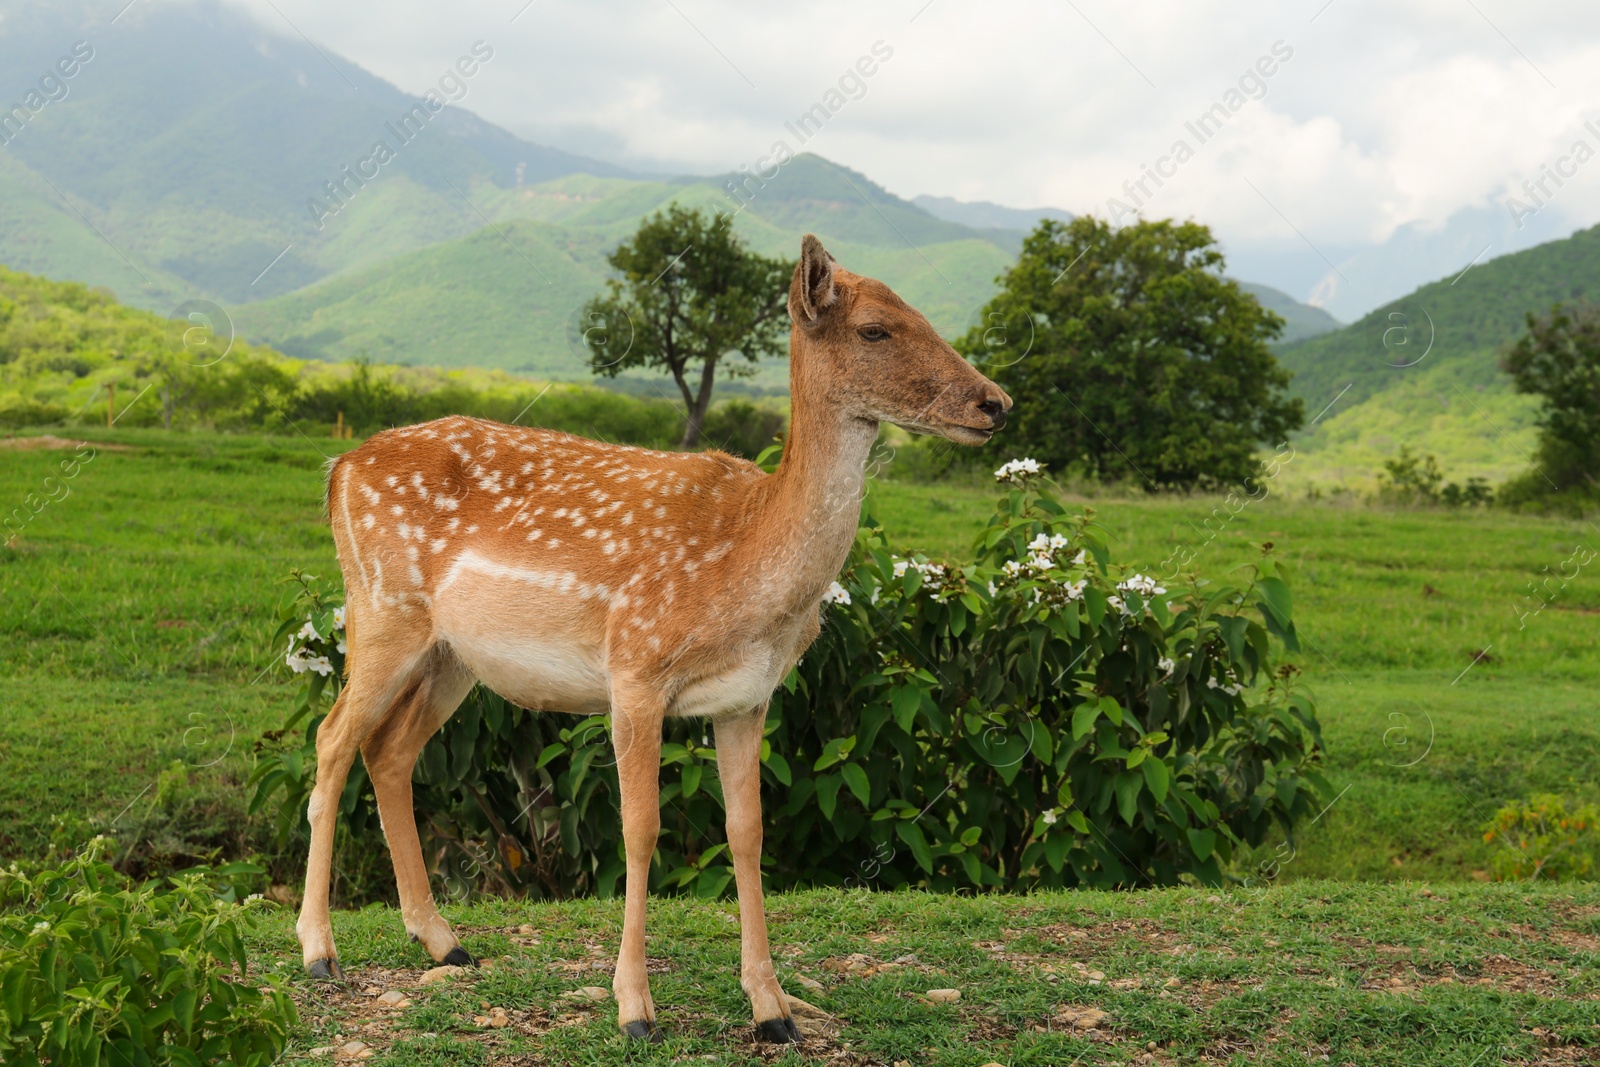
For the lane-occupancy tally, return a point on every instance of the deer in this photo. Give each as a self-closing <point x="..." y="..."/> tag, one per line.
<point x="582" y="577"/>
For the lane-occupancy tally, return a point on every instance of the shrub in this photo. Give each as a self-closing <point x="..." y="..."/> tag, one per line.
<point x="740" y="427"/>
<point x="1544" y="840"/>
<point x="95" y="970"/>
<point x="1410" y="479"/>
<point x="1035" y="717"/>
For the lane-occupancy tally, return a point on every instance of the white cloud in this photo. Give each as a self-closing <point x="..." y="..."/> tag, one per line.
<point x="1387" y="114"/>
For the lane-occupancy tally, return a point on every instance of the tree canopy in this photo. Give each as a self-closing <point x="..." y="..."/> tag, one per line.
<point x="1130" y="356"/>
<point x="1558" y="358"/>
<point x="689" y="295"/>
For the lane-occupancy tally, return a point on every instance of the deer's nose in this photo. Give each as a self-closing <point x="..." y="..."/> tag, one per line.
<point x="996" y="410"/>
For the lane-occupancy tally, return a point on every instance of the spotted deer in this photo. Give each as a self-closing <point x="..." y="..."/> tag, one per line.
<point x="575" y="576"/>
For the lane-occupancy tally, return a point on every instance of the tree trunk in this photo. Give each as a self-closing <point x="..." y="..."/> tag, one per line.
<point x="696" y="419"/>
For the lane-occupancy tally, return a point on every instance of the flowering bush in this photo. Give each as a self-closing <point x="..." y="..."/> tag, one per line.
<point x="1037" y="716"/>
<point x="94" y="970"/>
<point x="1544" y="840"/>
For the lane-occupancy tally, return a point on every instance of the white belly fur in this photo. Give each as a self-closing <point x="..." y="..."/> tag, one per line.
<point x="551" y="658"/>
<point x="742" y="686"/>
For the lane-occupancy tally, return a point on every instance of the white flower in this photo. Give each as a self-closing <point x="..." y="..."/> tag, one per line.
<point x="1081" y="558"/>
<point x="1012" y="568"/>
<point x="1167" y="665"/>
<point x="1074" y="590"/>
<point x="321" y="664"/>
<point x="40" y="928"/>
<point x="1017" y="470"/>
<point x="338" y="617"/>
<point x="1049" y="818"/>
<point x="1140" y="584"/>
<point x="342" y="647"/>
<point x="308" y="631"/>
<point x="1044" y="544"/>
<point x="1117" y="602"/>
<point x="254" y="896"/>
<point x="934" y="575"/>
<point x="836" y="594"/>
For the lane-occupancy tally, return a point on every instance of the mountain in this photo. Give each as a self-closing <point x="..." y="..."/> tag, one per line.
<point x="1424" y="369"/>
<point x="192" y="142"/>
<point x="509" y="296"/>
<point x="985" y="215"/>
<point x="1300" y="320"/>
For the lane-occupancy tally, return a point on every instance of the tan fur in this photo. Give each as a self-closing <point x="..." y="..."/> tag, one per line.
<point x="581" y="577"/>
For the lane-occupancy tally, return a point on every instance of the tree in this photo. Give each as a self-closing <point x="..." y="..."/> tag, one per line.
<point x="1129" y="355"/>
<point x="689" y="294"/>
<point x="1559" y="359"/>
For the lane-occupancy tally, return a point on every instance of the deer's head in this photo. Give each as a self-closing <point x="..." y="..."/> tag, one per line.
<point x="878" y="359"/>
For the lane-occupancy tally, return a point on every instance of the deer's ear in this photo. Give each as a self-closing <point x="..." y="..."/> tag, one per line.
<point x="812" y="291"/>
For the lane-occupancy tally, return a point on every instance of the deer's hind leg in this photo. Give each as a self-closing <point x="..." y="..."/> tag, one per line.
<point x="390" y="753"/>
<point x="383" y="668"/>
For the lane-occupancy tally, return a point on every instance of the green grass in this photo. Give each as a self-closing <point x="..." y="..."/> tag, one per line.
<point x="136" y="676"/>
<point x="1315" y="971"/>
<point x="1392" y="607"/>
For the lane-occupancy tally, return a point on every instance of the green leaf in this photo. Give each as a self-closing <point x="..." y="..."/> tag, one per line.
<point x="911" y="834"/>
<point x="828" y="794"/>
<point x="1127" y="789"/>
<point x="1158" y="777"/>
<point x="779" y="768"/>
<point x="905" y="700"/>
<point x="692" y="773"/>
<point x="1203" y="842"/>
<point x="856" y="779"/>
<point x="1083" y="717"/>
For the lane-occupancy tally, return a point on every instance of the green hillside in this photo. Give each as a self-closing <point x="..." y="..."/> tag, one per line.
<point x="1300" y="320"/>
<point x="1424" y="370"/>
<point x="508" y="295"/>
<point x="194" y="138"/>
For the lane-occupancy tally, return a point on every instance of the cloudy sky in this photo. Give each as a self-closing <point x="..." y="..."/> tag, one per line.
<point x="1374" y="116"/>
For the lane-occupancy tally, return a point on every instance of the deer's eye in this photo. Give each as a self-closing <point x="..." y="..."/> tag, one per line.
<point x="873" y="333"/>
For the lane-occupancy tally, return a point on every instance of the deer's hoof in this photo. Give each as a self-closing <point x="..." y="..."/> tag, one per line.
<point x="325" y="968"/>
<point x="643" y="1030"/>
<point x="458" y="957"/>
<point x="778" y="1032"/>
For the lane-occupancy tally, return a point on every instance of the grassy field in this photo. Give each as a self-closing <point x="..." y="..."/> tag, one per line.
<point x="137" y="610"/>
<point x="137" y="605"/>
<point x="1311" y="972"/>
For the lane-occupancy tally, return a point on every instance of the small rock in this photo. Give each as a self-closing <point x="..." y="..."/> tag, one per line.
<point x="1079" y="1017"/>
<point x="366" y="1054"/>
<point x="498" y="1019"/>
<point x="392" y="999"/>
<point x="943" y="996"/>
<point x="320" y="1050"/>
<point x="352" y="1048"/>
<point x="480" y="1020"/>
<point x="588" y="992"/>
<point x="526" y="930"/>
<point x="439" y="974"/>
<point x="809" y="983"/>
<point x="905" y="961"/>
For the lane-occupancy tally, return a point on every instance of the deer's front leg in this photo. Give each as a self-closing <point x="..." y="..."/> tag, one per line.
<point x="739" y="764"/>
<point x="636" y="716"/>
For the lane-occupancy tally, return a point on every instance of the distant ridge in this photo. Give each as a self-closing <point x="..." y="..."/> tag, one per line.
<point x="985" y="215"/>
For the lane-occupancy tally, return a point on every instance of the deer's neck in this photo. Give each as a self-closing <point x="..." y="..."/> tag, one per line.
<point x="812" y="505"/>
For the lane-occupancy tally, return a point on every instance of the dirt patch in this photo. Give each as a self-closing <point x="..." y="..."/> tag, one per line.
<point x="50" y="442"/>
